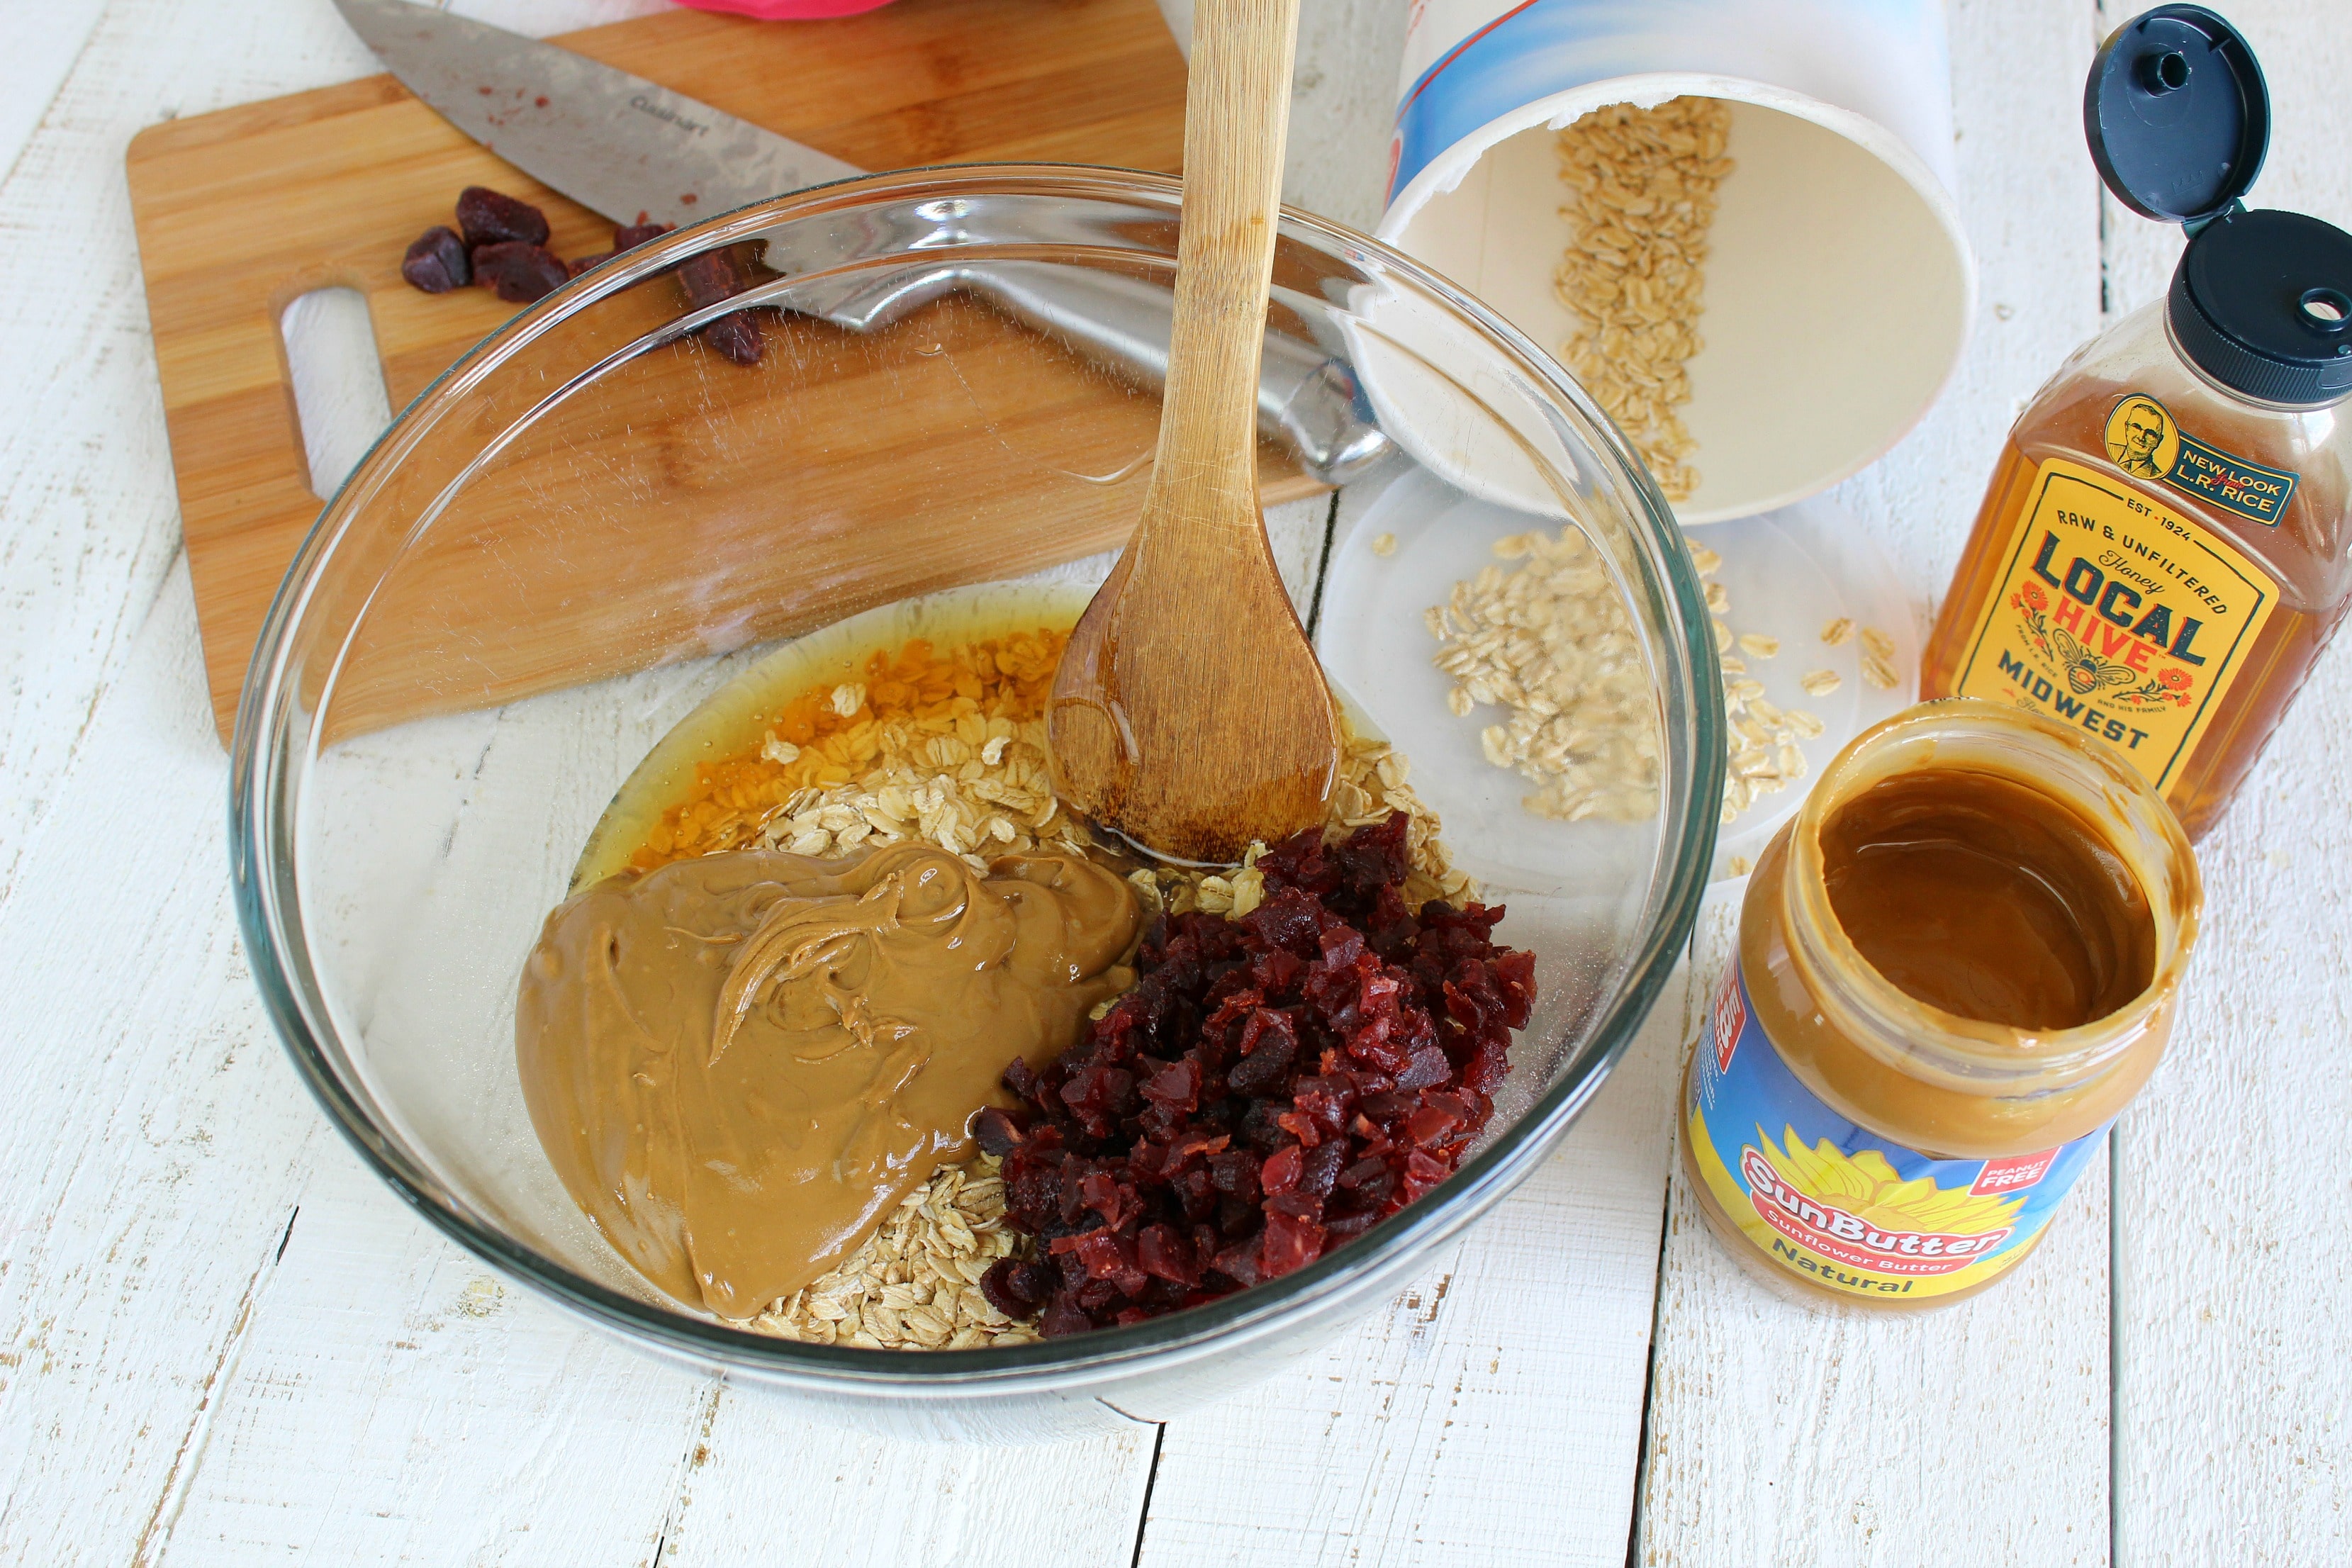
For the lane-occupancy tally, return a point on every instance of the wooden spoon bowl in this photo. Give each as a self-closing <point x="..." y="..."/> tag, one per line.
<point x="1188" y="714"/>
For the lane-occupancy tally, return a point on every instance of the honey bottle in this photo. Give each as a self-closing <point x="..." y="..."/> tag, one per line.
<point x="2165" y="547"/>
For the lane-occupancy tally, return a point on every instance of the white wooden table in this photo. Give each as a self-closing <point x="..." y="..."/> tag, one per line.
<point x="222" y="1342"/>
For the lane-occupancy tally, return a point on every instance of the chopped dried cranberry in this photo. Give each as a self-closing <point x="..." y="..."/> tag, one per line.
<point x="628" y="236"/>
<point x="1179" y="1087"/>
<point x="1427" y="1066"/>
<point x="1289" y="1244"/>
<point x="1272" y="1088"/>
<point x="1063" y="1318"/>
<point x="710" y="277"/>
<point x="521" y="273"/>
<point x="1161" y="1251"/>
<point x="738" y="337"/>
<point x="1320" y="1171"/>
<point x="437" y="262"/>
<point x="580" y="263"/>
<point x="1009" y="1285"/>
<point x="1239" y="1263"/>
<point x="1235" y="1172"/>
<point x="716" y="275"/>
<point x="997" y="1133"/>
<point x="492" y="217"/>
<point x="1282" y="1169"/>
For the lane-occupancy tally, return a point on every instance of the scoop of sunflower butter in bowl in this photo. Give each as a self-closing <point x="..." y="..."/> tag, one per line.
<point x="740" y="1063"/>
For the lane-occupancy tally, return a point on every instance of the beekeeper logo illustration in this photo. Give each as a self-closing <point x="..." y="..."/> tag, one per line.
<point x="2142" y="438"/>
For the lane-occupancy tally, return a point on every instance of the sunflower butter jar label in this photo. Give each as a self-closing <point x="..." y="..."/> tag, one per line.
<point x="1834" y="1203"/>
<point x="2115" y="612"/>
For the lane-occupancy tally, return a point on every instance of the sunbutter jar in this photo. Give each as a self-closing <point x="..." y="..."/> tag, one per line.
<point x="1851" y="1142"/>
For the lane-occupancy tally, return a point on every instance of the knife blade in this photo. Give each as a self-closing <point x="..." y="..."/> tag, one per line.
<point x="637" y="152"/>
<point x="616" y="143"/>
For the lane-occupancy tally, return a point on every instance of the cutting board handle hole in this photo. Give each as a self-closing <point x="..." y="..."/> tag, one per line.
<point x="338" y="382"/>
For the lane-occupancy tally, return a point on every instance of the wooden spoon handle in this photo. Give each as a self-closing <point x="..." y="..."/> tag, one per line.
<point x="1236" y="120"/>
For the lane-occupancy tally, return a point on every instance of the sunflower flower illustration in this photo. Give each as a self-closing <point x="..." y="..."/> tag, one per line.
<point x="1870" y="1189"/>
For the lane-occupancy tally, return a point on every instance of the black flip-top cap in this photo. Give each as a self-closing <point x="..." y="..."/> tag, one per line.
<point x="2176" y="114"/>
<point x="2261" y="302"/>
<point x="2179" y="119"/>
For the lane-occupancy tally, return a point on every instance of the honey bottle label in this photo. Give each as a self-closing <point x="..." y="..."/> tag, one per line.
<point x="1836" y="1204"/>
<point x="2115" y="612"/>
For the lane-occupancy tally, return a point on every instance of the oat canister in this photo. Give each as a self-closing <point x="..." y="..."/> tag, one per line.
<point x="2165" y="547"/>
<point x="1957" y="965"/>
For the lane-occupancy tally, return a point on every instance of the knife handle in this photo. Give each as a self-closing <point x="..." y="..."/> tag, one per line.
<point x="1309" y="401"/>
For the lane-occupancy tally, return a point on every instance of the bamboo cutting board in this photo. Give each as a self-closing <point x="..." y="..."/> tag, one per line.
<point x="240" y="211"/>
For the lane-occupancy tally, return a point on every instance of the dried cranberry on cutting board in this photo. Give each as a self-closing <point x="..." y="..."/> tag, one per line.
<point x="437" y="262"/>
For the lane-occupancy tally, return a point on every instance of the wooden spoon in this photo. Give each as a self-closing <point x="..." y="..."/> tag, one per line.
<point x="1188" y="713"/>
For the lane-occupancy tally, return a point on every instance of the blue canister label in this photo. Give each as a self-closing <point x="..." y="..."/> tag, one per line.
<point x="1834" y="1203"/>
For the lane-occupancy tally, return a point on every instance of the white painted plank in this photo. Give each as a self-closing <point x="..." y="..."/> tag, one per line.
<point x="154" y="1140"/>
<point x="1490" y="1413"/>
<point x="2232" y="1395"/>
<point x="1980" y="1434"/>
<point x="152" y="1135"/>
<point x="394" y="1401"/>
<point x="1342" y="108"/>
<point x="90" y="524"/>
<point x="761" y="1481"/>
<point x="42" y="45"/>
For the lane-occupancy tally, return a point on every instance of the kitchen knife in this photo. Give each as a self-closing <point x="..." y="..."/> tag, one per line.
<point x="632" y="149"/>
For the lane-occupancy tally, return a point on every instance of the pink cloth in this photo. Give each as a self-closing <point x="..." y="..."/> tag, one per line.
<point x="787" y="10"/>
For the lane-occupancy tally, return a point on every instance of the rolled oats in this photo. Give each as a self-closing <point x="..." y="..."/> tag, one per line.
<point x="1552" y="645"/>
<point x="1839" y="632"/>
<point x="1384" y="545"/>
<point x="913" y="1285"/>
<point x="1641" y="195"/>
<point x="1373" y="784"/>
<point x="1821" y="682"/>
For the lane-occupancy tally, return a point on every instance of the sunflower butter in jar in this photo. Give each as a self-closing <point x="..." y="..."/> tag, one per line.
<point x="1956" y="964"/>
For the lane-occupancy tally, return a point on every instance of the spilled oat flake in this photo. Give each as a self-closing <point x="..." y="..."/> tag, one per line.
<point x="1552" y="645"/>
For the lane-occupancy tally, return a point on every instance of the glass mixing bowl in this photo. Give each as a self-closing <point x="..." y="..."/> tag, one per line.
<point x="595" y="519"/>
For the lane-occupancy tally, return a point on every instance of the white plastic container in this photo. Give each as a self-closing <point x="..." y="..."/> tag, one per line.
<point x="1839" y="285"/>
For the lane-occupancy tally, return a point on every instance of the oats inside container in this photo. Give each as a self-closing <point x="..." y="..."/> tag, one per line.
<point x="1642" y="197"/>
